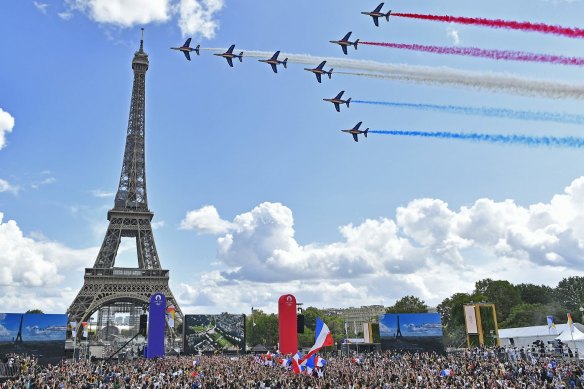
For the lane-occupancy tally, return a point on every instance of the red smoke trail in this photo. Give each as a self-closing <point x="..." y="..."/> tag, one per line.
<point x="513" y="25"/>
<point x="481" y="53"/>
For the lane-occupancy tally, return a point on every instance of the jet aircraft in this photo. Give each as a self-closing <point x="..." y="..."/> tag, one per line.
<point x="337" y="101"/>
<point x="228" y="55"/>
<point x="345" y="42"/>
<point x="274" y="61"/>
<point x="376" y="14"/>
<point x="186" y="49"/>
<point x="356" y="131"/>
<point x="319" y="71"/>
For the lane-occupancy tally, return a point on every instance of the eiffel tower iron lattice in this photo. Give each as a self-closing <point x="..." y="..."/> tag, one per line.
<point x="103" y="283"/>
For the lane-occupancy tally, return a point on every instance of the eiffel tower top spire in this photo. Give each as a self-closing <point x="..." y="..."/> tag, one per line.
<point x="131" y="193"/>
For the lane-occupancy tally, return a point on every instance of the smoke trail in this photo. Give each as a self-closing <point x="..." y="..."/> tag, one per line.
<point x="438" y="75"/>
<point x="507" y="55"/>
<point x="570" y="32"/>
<point x="485" y="111"/>
<point x="569" y="141"/>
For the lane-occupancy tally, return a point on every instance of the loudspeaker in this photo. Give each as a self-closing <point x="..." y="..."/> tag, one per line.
<point x="300" y="324"/>
<point x="143" y="323"/>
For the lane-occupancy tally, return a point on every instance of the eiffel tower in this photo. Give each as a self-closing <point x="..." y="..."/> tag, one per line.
<point x="105" y="284"/>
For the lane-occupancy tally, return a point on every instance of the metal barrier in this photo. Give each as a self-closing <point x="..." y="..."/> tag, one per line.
<point x="9" y="370"/>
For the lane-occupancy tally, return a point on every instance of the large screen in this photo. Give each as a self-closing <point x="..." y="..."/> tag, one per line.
<point x="42" y="335"/>
<point x="212" y="333"/>
<point x="411" y="331"/>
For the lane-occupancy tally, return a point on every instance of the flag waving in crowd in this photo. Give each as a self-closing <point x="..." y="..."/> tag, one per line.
<point x="322" y="339"/>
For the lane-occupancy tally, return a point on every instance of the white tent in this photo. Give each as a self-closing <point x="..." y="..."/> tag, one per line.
<point x="525" y="336"/>
<point x="574" y="339"/>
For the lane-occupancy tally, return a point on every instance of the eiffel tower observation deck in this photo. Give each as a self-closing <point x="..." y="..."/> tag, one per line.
<point x="104" y="284"/>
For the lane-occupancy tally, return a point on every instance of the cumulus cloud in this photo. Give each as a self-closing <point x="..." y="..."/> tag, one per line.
<point x="5" y="186"/>
<point x="198" y="17"/>
<point x="123" y="13"/>
<point x="205" y="220"/>
<point x="35" y="262"/>
<point x="430" y="250"/>
<point x="452" y="33"/>
<point x="102" y="194"/>
<point x="6" y="126"/>
<point x="194" y="17"/>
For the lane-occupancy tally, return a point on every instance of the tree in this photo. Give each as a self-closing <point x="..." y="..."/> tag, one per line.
<point x="570" y="293"/>
<point x="33" y="311"/>
<point x="408" y="304"/>
<point x="265" y="330"/>
<point x="451" y="311"/>
<point x="310" y="315"/>
<point x="501" y="293"/>
<point x="535" y="294"/>
<point x="525" y="315"/>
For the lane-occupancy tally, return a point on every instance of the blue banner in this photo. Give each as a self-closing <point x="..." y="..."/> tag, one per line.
<point x="156" y="324"/>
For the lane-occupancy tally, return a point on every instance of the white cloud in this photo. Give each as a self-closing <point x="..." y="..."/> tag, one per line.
<point x="429" y="250"/>
<point x="41" y="6"/>
<point x="102" y="194"/>
<point x="67" y="15"/>
<point x="452" y="32"/>
<point x="5" y="186"/>
<point x="205" y="220"/>
<point x="30" y="264"/>
<point x="124" y="13"/>
<point x="198" y="17"/>
<point x="6" y="126"/>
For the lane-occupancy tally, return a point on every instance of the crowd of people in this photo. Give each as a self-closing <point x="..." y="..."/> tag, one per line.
<point x="473" y="368"/>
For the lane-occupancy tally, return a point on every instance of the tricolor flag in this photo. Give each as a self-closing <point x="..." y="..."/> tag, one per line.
<point x="319" y="362"/>
<point x="570" y="323"/>
<point x="297" y="363"/>
<point x="283" y="362"/>
<point x="550" y="323"/>
<point x="322" y="339"/>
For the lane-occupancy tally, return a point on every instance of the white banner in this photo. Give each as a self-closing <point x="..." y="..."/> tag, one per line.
<point x="471" y="319"/>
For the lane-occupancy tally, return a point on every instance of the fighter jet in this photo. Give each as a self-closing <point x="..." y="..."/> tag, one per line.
<point x="337" y="101"/>
<point x="356" y="131"/>
<point x="228" y="55"/>
<point x="318" y="71"/>
<point x="345" y="42"/>
<point x="274" y="61"/>
<point x="376" y="14"/>
<point x="186" y="49"/>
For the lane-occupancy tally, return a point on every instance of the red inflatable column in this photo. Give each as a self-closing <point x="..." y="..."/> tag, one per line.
<point x="287" y="324"/>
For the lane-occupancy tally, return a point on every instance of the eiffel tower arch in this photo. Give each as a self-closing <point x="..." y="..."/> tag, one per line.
<point x="104" y="284"/>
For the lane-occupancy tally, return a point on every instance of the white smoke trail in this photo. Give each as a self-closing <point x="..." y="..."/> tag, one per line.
<point x="495" y="82"/>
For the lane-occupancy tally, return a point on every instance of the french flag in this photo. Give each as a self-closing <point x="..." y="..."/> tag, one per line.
<point x="322" y="339"/>
<point x="297" y="365"/>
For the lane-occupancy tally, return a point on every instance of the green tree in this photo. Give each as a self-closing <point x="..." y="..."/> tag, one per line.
<point x="262" y="328"/>
<point x="525" y="315"/>
<point x="570" y="293"/>
<point x="408" y="304"/>
<point x="34" y="311"/>
<point x="451" y="311"/>
<point x="310" y="315"/>
<point x="501" y="293"/>
<point x="535" y="294"/>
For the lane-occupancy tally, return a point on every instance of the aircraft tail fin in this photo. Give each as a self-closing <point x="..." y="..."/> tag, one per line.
<point x="197" y="49"/>
<point x="240" y="56"/>
<point x="356" y="43"/>
<point x="365" y="132"/>
<point x="348" y="102"/>
<point x="285" y="63"/>
<point x="330" y="73"/>
<point x="387" y="15"/>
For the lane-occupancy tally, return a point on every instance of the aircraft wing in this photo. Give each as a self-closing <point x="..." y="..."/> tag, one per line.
<point x="344" y="49"/>
<point x="274" y="68"/>
<point x="229" y="61"/>
<point x="355" y="137"/>
<point x="357" y="126"/>
<point x="187" y="43"/>
<point x="317" y="76"/>
<point x="337" y="107"/>
<point x="346" y="38"/>
<point x="376" y="20"/>
<point x="378" y="8"/>
<point x="230" y="50"/>
<point x="340" y="94"/>
<point x="321" y="65"/>
<point x="275" y="56"/>
<point x="187" y="54"/>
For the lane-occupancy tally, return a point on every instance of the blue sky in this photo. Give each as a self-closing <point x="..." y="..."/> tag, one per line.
<point x="411" y="324"/>
<point x="256" y="193"/>
<point x="34" y="327"/>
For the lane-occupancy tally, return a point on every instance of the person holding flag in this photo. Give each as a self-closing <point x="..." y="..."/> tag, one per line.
<point x="323" y="338"/>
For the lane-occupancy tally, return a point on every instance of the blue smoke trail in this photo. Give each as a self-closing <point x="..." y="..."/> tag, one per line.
<point x="485" y="111"/>
<point x="551" y="141"/>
